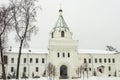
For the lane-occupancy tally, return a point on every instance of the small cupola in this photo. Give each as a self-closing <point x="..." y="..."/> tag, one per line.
<point x="60" y="30"/>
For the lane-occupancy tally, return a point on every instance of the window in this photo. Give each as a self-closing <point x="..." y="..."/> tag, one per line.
<point x="30" y="60"/>
<point x="109" y="68"/>
<point x="36" y="60"/>
<point x="43" y="60"/>
<point x="24" y="60"/>
<point x="52" y="35"/>
<point x="109" y="75"/>
<point x="89" y="69"/>
<point x="58" y="54"/>
<point x="113" y="60"/>
<point x="24" y="69"/>
<point x="37" y="69"/>
<point x="100" y="60"/>
<point x="95" y="60"/>
<point x="85" y="69"/>
<point x="68" y="54"/>
<point x="109" y="60"/>
<point x="105" y="61"/>
<point x="89" y="60"/>
<point x="62" y="34"/>
<point x="85" y="61"/>
<point x="63" y="54"/>
<point x="12" y="69"/>
<point x="5" y="59"/>
<point x="12" y="60"/>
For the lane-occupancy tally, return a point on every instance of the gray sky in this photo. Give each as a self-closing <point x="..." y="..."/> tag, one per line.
<point x="95" y="23"/>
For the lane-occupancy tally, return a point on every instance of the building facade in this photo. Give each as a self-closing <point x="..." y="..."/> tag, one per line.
<point x="63" y="53"/>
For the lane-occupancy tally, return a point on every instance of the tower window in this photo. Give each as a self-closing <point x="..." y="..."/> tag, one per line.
<point x="37" y="69"/>
<point x="63" y="54"/>
<point x="109" y="60"/>
<point x="62" y="34"/>
<point x="68" y="54"/>
<point x="58" y="54"/>
<point x="52" y="35"/>
<point x="109" y="68"/>
<point x="105" y="60"/>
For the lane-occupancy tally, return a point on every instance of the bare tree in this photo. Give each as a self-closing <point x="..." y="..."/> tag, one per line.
<point x="115" y="74"/>
<point x="78" y="71"/>
<point x="83" y="69"/>
<point x="86" y="68"/>
<point x="24" y="15"/>
<point x="94" y="73"/>
<point x="54" y="72"/>
<point x="5" y="27"/>
<point x="111" y="48"/>
<point x="51" y="71"/>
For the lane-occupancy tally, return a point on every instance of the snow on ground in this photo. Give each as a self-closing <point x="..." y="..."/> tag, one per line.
<point x="90" y="78"/>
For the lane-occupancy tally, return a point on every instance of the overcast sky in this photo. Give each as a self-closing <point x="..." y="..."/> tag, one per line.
<point x="95" y="23"/>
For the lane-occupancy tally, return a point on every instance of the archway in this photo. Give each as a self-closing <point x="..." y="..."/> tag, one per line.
<point x="62" y="34"/>
<point x="63" y="72"/>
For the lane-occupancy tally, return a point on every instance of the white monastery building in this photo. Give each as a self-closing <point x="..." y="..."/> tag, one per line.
<point x="64" y="54"/>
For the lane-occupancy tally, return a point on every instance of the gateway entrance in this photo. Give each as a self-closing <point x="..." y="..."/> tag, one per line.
<point x="63" y="72"/>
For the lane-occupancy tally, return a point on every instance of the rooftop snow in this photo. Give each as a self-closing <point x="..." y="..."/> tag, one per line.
<point x="95" y="51"/>
<point x="36" y="51"/>
<point x="45" y="51"/>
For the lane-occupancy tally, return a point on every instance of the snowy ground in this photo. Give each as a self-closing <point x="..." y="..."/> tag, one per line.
<point x="90" y="78"/>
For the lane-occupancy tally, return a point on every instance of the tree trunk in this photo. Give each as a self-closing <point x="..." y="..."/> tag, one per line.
<point x="19" y="56"/>
<point x="2" y="60"/>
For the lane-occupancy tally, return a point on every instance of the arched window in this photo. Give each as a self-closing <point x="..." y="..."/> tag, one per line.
<point x="12" y="69"/>
<point x="52" y="35"/>
<point x="109" y="68"/>
<point x="89" y="60"/>
<point x="63" y="54"/>
<point x="109" y="60"/>
<point x="85" y="61"/>
<point x="62" y="34"/>
<point x="5" y="59"/>
<point x="58" y="54"/>
<point x="24" y="69"/>
<point x="68" y="54"/>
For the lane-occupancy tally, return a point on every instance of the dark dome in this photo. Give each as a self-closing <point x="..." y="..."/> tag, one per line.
<point x="60" y="10"/>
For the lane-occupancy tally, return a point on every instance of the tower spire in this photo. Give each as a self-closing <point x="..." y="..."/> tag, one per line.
<point x="60" y="10"/>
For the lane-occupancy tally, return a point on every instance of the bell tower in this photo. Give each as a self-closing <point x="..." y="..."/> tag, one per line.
<point x="60" y="30"/>
<point x="63" y="50"/>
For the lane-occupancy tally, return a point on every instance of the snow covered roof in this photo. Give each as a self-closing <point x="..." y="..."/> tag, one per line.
<point x="45" y="51"/>
<point x="95" y="51"/>
<point x="32" y="51"/>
